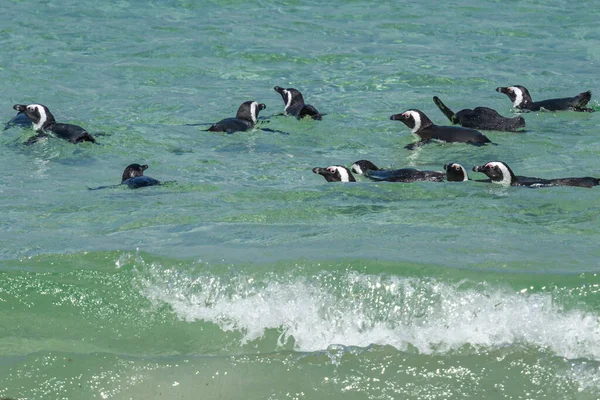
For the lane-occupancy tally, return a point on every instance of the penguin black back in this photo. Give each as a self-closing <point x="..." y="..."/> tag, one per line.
<point x="481" y="118"/>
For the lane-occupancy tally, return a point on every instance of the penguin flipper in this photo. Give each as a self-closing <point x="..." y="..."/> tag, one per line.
<point x="35" y="139"/>
<point x="445" y="110"/>
<point x="273" y="131"/>
<point x="216" y="128"/>
<point x="103" y="187"/>
<point x="84" y="137"/>
<point x="416" y="145"/>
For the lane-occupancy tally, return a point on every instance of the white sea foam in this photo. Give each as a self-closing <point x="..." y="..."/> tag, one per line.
<point x="358" y="310"/>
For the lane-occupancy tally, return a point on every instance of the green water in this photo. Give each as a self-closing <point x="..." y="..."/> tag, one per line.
<point x="251" y="277"/>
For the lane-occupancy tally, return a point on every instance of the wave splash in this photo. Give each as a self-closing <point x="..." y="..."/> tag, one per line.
<point x="356" y="309"/>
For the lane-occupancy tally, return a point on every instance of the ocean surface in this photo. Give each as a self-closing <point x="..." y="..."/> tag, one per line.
<point x="247" y="275"/>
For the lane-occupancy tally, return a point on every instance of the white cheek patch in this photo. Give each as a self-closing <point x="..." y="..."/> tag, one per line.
<point x="43" y="116"/>
<point x="519" y="95"/>
<point x="344" y="177"/>
<point x="506" y="178"/>
<point x="253" y="108"/>
<point x="417" y="118"/>
<point x="464" y="171"/>
<point x="288" y="101"/>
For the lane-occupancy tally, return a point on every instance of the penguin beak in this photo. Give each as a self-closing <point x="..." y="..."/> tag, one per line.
<point x="502" y="90"/>
<point x="398" y="117"/>
<point x="20" y="107"/>
<point x="262" y="106"/>
<point x="279" y="89"/>
<point x="144" y="167"/>
<point x="325" y="173"/>
<point x="479" y="168"/>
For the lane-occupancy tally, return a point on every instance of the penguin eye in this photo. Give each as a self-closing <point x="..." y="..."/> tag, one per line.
<point x="509" y="90"/>
<point x="456" y="167"/>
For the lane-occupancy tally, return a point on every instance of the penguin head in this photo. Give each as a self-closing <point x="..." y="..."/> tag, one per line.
<point x="249" y="111"/>
<point x="335" y="173"/>
<point x="455" y="172"/>
<point x="39" y="114"/>
<point x="133" y="170"/>
<point x="518" y="94"/>
<point x="415" y="120"/>
<point x="361" y="166"/>
<point x="290" y="96"/>
<point x="497" y="171"/>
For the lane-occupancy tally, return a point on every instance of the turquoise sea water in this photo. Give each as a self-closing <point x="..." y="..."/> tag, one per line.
<point x="250" y="276"/>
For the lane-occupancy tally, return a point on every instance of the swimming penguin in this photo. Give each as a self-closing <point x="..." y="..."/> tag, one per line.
<point x="422" y="126"/>
<point x="294" y="104"/>
<point x="335" y="173"/>
<point x="44" y="122"/>
<point x="480" y="118"/>
<point x="133" y="176"/>
<point x="407" y="175"/>
<point x="20" y="120"/>
<point x="521" y="99"/>
<point x="455" y="172"/>
<point x="244" y="120"/>
<point x="500" y="172"/>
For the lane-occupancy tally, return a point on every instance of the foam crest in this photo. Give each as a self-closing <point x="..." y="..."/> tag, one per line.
<point x="354" y="309"/>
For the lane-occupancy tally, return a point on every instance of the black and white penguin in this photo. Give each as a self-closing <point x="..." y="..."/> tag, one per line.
<point x="294" y="104"/>
<point x="44" y="123"/>
<point x="245" y="119"/>
<point x="521" y="99"/>
<point x="500" y="172"/>
<point x="455" y="172"/>
<point x="133" y="176"/>
<point x="335" y="173"/>
<point x="422" y="126"/>
<point x="481" y="118"/>
<point x="20" y="120"/>
<point x="407" y="175"/>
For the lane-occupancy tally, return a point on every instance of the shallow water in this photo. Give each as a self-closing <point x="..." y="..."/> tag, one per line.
<point x="250" y="275"/>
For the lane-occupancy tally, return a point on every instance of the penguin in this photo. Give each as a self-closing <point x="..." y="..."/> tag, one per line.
<point x="481" y="118"/>
<point x="133" y="176"/>
<point x="500" y="172"/>
<point x="294" y="104"/>
<point x="455" y="172"/>
<point x="407" y="175"/>
<point x="335" y="173"/>
<point x="422" y="126"/>
<point x="44" y="123"/>
<point x="21" y="120"/>
<point x="244" y="120"/>
<point x="521" y="99"/>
